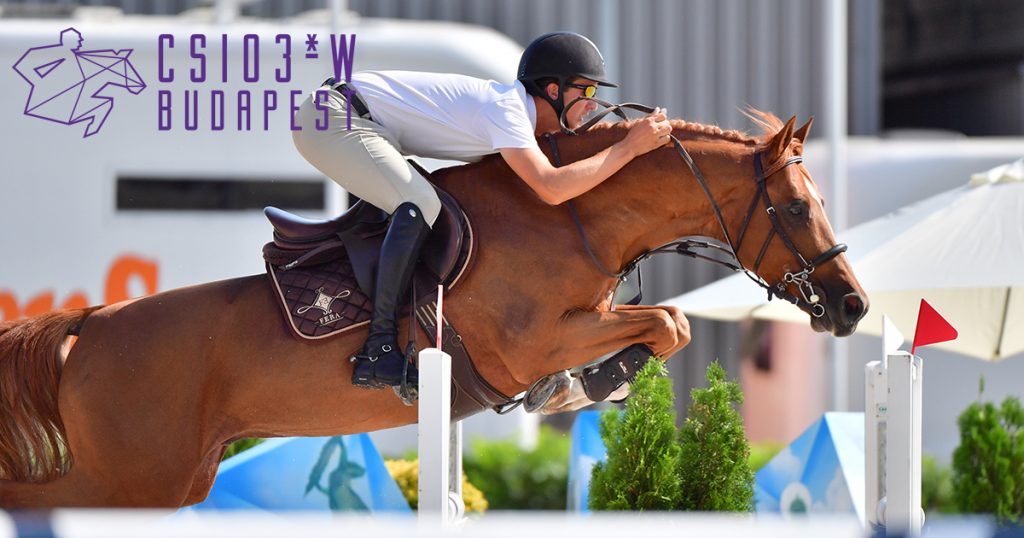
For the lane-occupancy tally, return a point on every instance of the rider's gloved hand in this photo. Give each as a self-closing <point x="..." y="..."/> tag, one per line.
<point x="648" y="133"/>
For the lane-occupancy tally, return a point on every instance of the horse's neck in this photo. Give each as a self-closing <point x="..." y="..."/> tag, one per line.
<point x="518" y="232"/>
<point x="653" y="200"/>
<point x="656" y="198"/>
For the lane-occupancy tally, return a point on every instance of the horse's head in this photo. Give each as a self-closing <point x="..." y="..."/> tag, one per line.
<point x="780" y="232"/>
<point x="108" y="67"/>
<point x="132" y="82"/>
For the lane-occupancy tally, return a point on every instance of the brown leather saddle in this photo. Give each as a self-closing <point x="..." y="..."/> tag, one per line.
<point x="323" y="272"/>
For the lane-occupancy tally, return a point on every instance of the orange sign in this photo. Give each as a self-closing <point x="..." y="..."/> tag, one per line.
<point x="119" y="276"/>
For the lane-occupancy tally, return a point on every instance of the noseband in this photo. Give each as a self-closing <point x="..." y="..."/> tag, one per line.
<point x="808" y="300"/>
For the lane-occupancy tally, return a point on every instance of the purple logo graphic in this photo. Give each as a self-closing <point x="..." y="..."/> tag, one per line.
<point x="68" y="84"/>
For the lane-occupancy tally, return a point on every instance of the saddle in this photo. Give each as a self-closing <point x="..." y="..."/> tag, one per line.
<point x="323" y="273"/>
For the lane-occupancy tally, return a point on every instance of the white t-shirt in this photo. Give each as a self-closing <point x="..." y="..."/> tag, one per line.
<point x="447" y="116"/>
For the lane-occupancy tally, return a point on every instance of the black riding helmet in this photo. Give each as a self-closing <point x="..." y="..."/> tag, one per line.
<point x="561" y="56"/>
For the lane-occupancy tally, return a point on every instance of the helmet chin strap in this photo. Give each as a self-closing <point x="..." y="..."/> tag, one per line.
<point x="557" y="104"/>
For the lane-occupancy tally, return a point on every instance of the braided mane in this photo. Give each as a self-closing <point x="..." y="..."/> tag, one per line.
<point x="768" y="123"/>
<point x="712" y="131"/>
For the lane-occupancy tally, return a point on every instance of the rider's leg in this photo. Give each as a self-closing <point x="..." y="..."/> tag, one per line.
<point x="381" y="361"/>
<point x="366" y="160"/>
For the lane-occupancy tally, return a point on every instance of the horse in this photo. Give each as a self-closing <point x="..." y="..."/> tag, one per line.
<point x="139" y="410"/>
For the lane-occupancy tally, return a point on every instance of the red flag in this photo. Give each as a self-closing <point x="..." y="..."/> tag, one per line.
<point x="932" y="328"/>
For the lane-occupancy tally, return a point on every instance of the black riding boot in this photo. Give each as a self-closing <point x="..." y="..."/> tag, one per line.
<point x="381" y="361"/>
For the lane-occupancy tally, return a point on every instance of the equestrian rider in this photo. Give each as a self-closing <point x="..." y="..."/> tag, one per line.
<point x="448" y="116"/>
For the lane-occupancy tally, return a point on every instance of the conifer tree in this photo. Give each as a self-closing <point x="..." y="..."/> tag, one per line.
<point x="713" y="465"/>
<point x="643" y="454"/>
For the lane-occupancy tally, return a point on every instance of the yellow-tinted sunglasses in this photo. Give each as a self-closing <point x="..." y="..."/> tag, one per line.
<point x="589" y="90"/>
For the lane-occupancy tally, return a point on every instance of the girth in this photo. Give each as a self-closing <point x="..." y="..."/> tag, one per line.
<point x="471" y="393"/>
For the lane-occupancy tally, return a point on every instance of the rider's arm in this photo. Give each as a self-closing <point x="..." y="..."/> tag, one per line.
<point x="556" y="185"/>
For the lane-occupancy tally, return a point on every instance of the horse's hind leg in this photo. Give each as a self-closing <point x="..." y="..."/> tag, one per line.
<point x="118" y="461"/>
<point x="105" y="482"/>
<point x="205" y="475"/>
<point x="74" y="489"/>
<point x="134" y="431"/>
<point x="107" y="478"/>
<point x="89" y="485"/>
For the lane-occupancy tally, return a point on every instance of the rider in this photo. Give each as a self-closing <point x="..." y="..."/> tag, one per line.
<point x="447" y="116"/>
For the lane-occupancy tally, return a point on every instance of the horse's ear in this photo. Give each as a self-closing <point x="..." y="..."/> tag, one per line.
<point x="801" y="133"/>
<point x="780" y="141"/>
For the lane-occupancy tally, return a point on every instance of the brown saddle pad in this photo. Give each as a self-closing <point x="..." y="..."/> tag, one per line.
<point x="324" y="300"/>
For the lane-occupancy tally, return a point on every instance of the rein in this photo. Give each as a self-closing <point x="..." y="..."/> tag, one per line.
<point x="808" y="299"/>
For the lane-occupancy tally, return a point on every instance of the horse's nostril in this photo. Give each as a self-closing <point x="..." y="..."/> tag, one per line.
<point x="853" y="307"/>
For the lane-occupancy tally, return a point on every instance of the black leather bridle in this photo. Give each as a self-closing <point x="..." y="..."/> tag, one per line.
<point x="808" y="300"/>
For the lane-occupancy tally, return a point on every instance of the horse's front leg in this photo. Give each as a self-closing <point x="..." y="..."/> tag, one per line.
<point x="573" y="397"/>
<point x="680" y="324"/>
<point x="589" y="335"/>
<point x="585" y="336"/>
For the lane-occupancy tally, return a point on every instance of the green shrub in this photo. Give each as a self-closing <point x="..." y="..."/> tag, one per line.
<point x="714" y="467"/>
<point x="936" y="487"/>
<point x="653" y="466"/>
<point x="508" y="477"/>
<point x="641" y="472"/>
<point x="988" y="466"/>
<point x="762" y="453"/>
<point x="515" y="479"/>
<point x="240" y="446"/>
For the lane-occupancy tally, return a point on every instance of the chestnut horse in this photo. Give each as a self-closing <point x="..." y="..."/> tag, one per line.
<point x="139" y="410"/>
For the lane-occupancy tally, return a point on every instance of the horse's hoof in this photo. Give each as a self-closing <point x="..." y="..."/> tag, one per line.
<point x="547" y="391"/>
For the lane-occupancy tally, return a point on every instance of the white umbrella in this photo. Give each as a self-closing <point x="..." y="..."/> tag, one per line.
<point x="962" y="251"/>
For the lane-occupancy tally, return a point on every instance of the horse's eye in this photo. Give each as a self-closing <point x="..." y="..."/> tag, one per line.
<point x="796" y="208"/>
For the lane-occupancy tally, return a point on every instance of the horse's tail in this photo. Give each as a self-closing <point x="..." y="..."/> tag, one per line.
<point x="33" y="447"/>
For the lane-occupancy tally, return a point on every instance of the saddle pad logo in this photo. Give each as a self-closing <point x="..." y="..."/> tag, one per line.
<point x="323" y="302"/>
<point x="69" y="85"/>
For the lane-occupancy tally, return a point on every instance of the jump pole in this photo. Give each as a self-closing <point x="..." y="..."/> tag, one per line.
<point x="892" y="428"/>
<point x="440" y="474"/>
